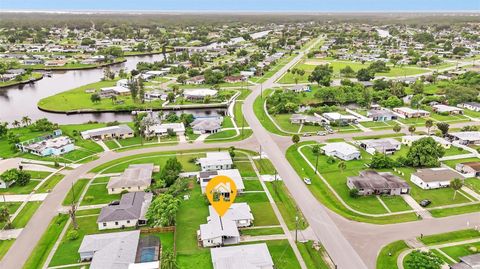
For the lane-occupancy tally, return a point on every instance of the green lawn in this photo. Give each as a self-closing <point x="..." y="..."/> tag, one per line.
<point x="98" y="194"/>
<point x="48" y="185"/>
<point x="17" y="189"/>
<point x="282" y="254"/>
<point x="264" y="166"/>
<point x="462" y="250"/>
<point x="387" y="258"/>
<point x="262" y="116"/>
<point x="252" y="185"/>
<point x="314" y="259"/>
<point x="222" y="135"/>
<point x="78" y="99"/>
<point x="326" y="197"/>
<point x="261" y="231"/>
<point x="5" y="246"/>
<point x="23" y="79"/>
<point x="444" y="238"/>
<point x="261" y="209"/>
<point x="45" y="245"/>
<point x="245" y="168"/>
<point x="76" y="191"/>
<point x="286" y="205"/>
<point x="440" y="213"/>
<point x="24" y="216"/>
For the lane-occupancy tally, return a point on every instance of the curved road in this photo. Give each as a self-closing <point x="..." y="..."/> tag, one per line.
<point x="350" y="244"/>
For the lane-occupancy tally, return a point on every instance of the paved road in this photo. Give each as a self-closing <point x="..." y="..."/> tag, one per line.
<point x="351" y="244"/>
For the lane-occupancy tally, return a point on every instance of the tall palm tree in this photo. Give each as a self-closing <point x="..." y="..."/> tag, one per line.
<point x="26" y="120"/>
<point x="342" y="166"/>
<point x="16" y="123"/>
<point x="428" y="124"/>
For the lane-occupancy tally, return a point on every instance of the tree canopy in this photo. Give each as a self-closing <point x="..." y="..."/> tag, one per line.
<point x="425" y="152"/>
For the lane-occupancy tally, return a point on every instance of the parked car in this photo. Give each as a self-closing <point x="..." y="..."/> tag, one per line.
<point x="307" y="134"/>
<point x="307" y="180"/>
<point x="322" y="133"/>
<point x="425" y="203"/>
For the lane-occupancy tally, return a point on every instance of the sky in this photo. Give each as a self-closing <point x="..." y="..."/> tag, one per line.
<point x="244" y="5"/>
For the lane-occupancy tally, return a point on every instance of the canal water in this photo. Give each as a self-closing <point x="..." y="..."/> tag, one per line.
<point x="19" y="101"/>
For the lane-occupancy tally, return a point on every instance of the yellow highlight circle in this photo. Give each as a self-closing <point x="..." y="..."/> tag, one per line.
<point x="221" y="191"/>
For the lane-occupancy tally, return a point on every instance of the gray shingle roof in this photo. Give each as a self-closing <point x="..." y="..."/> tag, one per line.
<point x="133" y="206"/>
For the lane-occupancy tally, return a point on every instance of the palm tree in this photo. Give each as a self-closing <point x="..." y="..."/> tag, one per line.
<point x="428" y="124"/>
<point x="114" y="98"/>
<point x="342" y="166"/>
<point x="169" y="260"/>
<point x="456" y="185"/>
<point x="397" y="128"/>
<point x="26" y="120"/>
<point x="5" y="216"/>
<point x="412" y="129"/>
<point x="16" y="123"/>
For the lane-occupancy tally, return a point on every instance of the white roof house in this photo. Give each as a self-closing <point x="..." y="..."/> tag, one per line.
<point x="162" y="129"/>
<point x="385" y="145"/>
<point x="218" y="231"/>
<point x="199" y="93"/>
<point x="205" y="176"/>
<point x="110" y="250"/>
<point x="216" y="161"/>
<point x="119" y="90"/>
<point x="137" y="177"/>
<point x="119" y="131"/>
<point x="342" y="151"/>
<point x="5" y="165"/>
<point x="447" y="109"/>
<point x="253" y="256"/>
<point x="434" y="178"/>
<point x="409" y="139"/>
<point x="406" y="112"/>
<point x="238" y="212"/>
<point x="466" y="137"/>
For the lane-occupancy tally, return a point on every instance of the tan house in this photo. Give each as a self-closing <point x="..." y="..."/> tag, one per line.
<point x="137" y="177"/>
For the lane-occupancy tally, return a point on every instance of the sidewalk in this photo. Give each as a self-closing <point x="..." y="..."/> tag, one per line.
<point x="9" y="234"/>
<point x="418" y="209"/>
<point x="24" y="197"/>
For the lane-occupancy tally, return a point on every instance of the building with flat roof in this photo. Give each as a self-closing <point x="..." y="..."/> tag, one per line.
<point x="371" y="182"/>
<point x="384" y="145"/>
<point x="205" y="176"/>
<point x="409" y="139"/>
<point x="137" y="177"/>
<point x="220" y="160"/>
<point x="406" y="112"/>
<point x="110" y="132"/>
<point x="468" y="262"/>
<point x="466" y="138"/>
<point x="252" y="256"/>
<point x="199" y="94"/>
<point x="434" y="178"/>
<point x="341" y="150"/>
<point x="443" y="109"/>
<point x="52" y="144"/>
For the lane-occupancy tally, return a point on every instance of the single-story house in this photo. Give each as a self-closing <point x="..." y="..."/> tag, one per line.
<point x="7" y="164"/>
<point x="55" y="63"/>
<point x="52" y="144"/>
<point x="218" y="232"/>
<point x="434" y="178"/>
<point x="128" y="212"/>
<point x="115" y="90"/>
<point x="122" y="83"/>
<point x="121" y="250"/>
<point x="342" y="151"/>
<point x="207" y="125"/>
<point x="252" y="256"/>
<point x="384" y="145"/>
<point x="381" y="115"/>
<point x="137" y="177"/>
<point x="216" y="161"/>
<point x="205" y="176"/>
<point x="111" y="132"/>
<point x="305" y="119"/>
<point x="468" y="262"/>
<point x="443" y="109"/>
<point x="155" y="95"/>
<point x="199" y="94"/>
<point x="197" y="80"/>
<point x="162" y="129"/>
<point x="371" y="182"/>
<point x="469" y="169"/>
<point x="240" y="213"/>
<point x="466" y="138"/>
<point x="340" y="118"/>
<point x="234" y="79"/>
<point x="299" y="88"/>
<point x="247" y="73"/>
<point x="406" y="112"/>
<point x="409" y="139"/>
<point x="474" y="106"/>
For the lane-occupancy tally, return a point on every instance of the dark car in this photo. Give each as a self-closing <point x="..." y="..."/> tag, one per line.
<point x="425" y="203"/>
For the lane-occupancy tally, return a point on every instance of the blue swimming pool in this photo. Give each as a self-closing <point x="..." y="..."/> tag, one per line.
<point x="147" y="254"/>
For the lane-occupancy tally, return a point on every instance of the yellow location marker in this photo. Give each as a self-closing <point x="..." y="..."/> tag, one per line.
<point x="221" y="192"/>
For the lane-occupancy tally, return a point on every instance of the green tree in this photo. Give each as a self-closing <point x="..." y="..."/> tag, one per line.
<point x="322" y="75"/>
<point x="163" y="210"/>
<point x="295" y="139"/>
<point x="428" y="125"/>
<point x="424" y="260"/>
<point x="425" y="152"/>
<point x="412" y="129"/>
<point x="20" y="177"/>
<point x="95" y="98"/>
<point x="3" y="129"/>
<point x="365" y="74"/>
<point x="381" y="161"/>
<point x="443" y="127"/>
<point x="397" y="128"/>
<point x="347" y="72"/>
<point x="169" y="261"/>
<point x="392" y="101"/>
<point x="5" y="216"/>
<point x="342" y="166"/>
<point x="171" y="171"/>
<point x="456" y="184"/>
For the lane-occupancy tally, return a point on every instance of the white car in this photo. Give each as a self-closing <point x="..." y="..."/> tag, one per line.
<point x="307" y="180"/>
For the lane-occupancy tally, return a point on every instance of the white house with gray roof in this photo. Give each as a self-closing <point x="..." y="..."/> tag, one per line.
<point x="128" y="212"/>
<point x="5" y="165"/>
<point x="137" y="177"/>
<point x="342" y="150"/>
<point x="205" y="176"/>
<point x="207" y="125"/>
<point x="252" y="256"/>
<point x="216" y="161"/>
<point x="111" y="132"/>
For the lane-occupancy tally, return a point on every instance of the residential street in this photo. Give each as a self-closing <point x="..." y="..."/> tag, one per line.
<point x="350" y="244"/>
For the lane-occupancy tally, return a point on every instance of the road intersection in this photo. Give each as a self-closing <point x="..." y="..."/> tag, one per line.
<point x="350" y="244"/>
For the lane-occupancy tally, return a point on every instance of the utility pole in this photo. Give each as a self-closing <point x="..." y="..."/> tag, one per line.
<point x="296" y="228"/>
<point x="261" y="91"/>
<point x="316" y="162"/>
<point x="73" y="210"/>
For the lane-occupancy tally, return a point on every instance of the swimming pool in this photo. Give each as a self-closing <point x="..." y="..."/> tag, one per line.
<point x="147" y="254"/>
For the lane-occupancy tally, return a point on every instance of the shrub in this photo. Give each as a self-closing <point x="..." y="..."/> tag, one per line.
<point x="72" y="235"/>
<point x="88" y="198"/>
<point x="353" y="193"/>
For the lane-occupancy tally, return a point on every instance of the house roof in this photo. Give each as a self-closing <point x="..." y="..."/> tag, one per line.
<point x="111" y="250"/>
<point x="163" y="128"/>
<point x="134" y="175"/>
<point x="380" y="112"/>
<point x="236" y="212"/>
<point x="218" y="227"/>
<point x="437" y="174"/>
<point x="207" y="124"/>
<point x="444" y="108"/>
<point x="341" y="147"/>
<point x="410" y="110"/>
<point x="216" y="158"/>
<point x="474" y="165"/>
<point x="385" y="143"/>
<point x="468" y="136"/>
<point x="133" y="206"/>
<point x="199" y="92"/>
<point x="370" y="179"/>
<point x="234" y="174"/>
<point x="241" y="257"/>
<point x="437" y="139"/>
<point x="119" y="129"/>
<point x="468" y="262"/>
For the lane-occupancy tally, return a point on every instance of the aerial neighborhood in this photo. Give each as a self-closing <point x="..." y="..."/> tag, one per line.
<point x="347" y="140"/>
